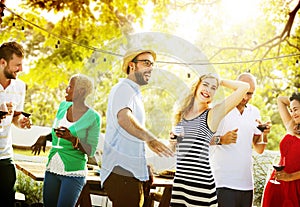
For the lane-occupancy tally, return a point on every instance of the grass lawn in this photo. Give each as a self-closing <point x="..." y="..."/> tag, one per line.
<point x="27" y="152"/>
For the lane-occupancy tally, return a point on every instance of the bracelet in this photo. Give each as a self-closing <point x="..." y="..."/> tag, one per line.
<point x="75" y="146"/>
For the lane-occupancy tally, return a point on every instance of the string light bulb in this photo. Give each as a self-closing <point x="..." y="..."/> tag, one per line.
<point x="14" y="23"/>
<point x="2" y="7"/>
<point x="118" y="55"/>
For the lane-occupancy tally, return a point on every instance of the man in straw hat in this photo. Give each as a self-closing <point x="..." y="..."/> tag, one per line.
<point x="124" y="167"/>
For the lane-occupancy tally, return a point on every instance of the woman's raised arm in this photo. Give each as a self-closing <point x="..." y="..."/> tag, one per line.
<point x="218" y="112"/>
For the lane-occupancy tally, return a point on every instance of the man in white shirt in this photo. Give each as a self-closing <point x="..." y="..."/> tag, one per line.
<point x="124" y="167"/>
<point x="231" y="151"/>
<point x="12" y="96"/>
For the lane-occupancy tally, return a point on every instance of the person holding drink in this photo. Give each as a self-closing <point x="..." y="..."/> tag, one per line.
<point x="286" y="193"/>
<point x="231" y="150"/>
<point x="77" y="126"/>
<point x="124" y="168"/>
<point x="12" y="96"/>
<point x="3" y="113"/>
<point x="194" y="183"/>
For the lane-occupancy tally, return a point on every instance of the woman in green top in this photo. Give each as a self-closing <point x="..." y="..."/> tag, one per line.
<point x="75" y="134"/>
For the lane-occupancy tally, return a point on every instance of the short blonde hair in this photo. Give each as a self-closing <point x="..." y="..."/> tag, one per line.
<point x="83" y="81"/>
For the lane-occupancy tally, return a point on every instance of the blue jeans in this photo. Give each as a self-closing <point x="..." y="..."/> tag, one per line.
<point x="61" y="191"/>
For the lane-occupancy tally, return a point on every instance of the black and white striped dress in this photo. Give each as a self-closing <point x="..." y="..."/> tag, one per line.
<point x="194" y="184"/>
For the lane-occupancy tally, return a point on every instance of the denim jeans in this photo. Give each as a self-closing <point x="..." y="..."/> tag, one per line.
<point x="61" y="191"/>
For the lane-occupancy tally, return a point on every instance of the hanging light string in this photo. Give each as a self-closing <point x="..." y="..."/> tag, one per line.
<point x="119" y="55"/>
<point x="62" y="37"/>
<point x="231" y="62"/>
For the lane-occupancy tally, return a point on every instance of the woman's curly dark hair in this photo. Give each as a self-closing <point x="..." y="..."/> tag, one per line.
<point x="295" y="96"/>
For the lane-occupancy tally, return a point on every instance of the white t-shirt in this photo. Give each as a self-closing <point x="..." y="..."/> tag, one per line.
<point x="14" y="93"/>
<point x="232" y="164"/>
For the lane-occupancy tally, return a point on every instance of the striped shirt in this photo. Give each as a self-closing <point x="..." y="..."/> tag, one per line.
<point x="14" y="93"/>
<point x="194" y="184"/>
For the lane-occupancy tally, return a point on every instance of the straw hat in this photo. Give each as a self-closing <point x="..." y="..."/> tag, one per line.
<point x="131" y="54"/>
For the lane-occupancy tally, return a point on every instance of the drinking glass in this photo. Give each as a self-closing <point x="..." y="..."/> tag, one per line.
<point x="56" y="126"/>
<point x="27" y="115"/>
<point x="3" y="113"/>
<point x="262" y="125"/>
<point x="178" y="132"/>
<point x="278" y="165"/>
<point x="10" y="107"/>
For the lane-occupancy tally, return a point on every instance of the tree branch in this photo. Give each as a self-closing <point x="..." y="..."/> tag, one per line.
<point x="275" y="41"/>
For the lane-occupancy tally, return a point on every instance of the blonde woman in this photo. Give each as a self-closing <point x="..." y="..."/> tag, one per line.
<point x="194" y="183"/>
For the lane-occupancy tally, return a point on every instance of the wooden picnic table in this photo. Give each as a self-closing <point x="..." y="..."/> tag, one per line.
<point x="36" y="171"/>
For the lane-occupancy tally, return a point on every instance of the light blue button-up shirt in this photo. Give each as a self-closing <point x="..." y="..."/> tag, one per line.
<point x="121" y="148"/>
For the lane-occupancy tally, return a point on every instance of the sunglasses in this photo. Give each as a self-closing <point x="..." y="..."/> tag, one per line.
<point x="146" y="63"/>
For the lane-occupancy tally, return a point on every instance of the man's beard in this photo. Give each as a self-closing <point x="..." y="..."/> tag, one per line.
<point x="243" y="103"/>
<point x="140" y="79"/>
<point x="7" y="74"/>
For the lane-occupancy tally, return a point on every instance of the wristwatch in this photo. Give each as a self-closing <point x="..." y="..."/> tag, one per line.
<point x="217" y="140"/>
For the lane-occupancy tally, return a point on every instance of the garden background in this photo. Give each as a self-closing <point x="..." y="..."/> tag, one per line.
<point x="64" y="37"/>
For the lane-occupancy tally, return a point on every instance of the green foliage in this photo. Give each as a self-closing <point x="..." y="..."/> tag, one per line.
<point x="159" y="111"/>
<point x="33" y="190"/>
<point x="88" y="28"/>
<point x="262" y="165"/>
<point x="58" y="50"/>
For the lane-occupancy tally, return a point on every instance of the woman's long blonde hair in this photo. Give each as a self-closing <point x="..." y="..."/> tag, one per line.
<point x="188" y="101"/>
